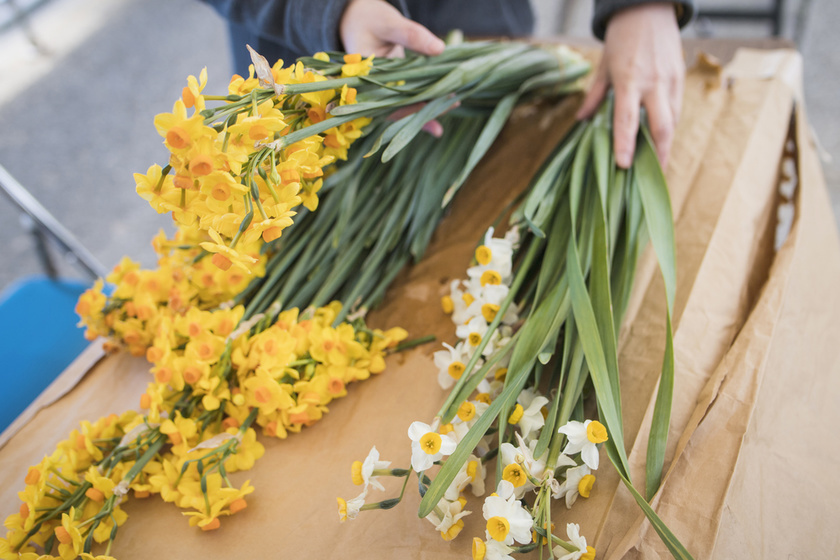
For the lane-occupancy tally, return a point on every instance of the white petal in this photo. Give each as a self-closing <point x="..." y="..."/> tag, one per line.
<point x="418" y="430"/>
<point x="504" y="489"/>
<point x="447" y="444"/>
<point x="590" y="456"/>
<point x="420" y="460"/>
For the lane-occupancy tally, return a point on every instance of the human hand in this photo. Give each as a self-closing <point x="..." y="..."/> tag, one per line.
<point x="376" y="27"/>
<point x="643" y="63"/>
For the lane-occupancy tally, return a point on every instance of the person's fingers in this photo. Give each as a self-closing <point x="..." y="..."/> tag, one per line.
<point x="396" y="51"/>
<point x="595" y="95"/>
<point x="410" y="34"/>
<point x="625" y="124"/>
<point x="404" y="111"/>
<point x="434" y="128"/>
<point x="661" y="120"/>
<point x="675" y="96"/>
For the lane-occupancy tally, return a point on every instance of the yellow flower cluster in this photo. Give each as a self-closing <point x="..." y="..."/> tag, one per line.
<point x="231" y="189"/>
<point x="228" y="177"/>
<point x="289" y="372"/>
<point x="69" y="470"/>
<point x="82" y="471"/>
<point x="146" y="301"/>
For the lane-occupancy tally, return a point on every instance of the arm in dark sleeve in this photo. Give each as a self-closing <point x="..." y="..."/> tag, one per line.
<point x="302" y="26"/>
<point x="604" y="10"/>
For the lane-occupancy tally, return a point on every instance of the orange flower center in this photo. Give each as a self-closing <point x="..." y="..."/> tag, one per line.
<point x="63" y="536"/>
<point x="262" y="394"/>
<point x="163" y="375"/>
<point x="178" y="138"/>
<point x="201" y="165"/>
<point x="238" y="505"/>
<point x="271" y="234"/>
<point x="221" y="261"/>
<point x="192" y="374"/>
<point x="95" y="495"/>
<point x="258" y="132"/>
<point x="188" y="97"/>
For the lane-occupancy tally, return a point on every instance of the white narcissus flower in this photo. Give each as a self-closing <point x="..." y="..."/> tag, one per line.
<point x="451" y="364"/>
<point x="507" y="520"/>
<point x="349" y="509"/>
<point x="472" y="473"/>
<point x="584" y="552"/>
<point x="490" y="550"/>
<point x="460" y="302"/>
<point x="495" y="254"/>
<point x="491" y="387"/>
<point x="370" y="464"/>
<point x="446" y="517"/>
<point x="584" y="437"/>
<point x="532" y="418"/>
<point x="428" y="446"/>
<point x="472" y="332"/>
<point x="577" y="479"/>
<point x="488" y="301"/>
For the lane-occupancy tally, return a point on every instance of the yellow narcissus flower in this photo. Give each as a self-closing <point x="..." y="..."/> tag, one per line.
<point x="191" y="94"/>
<point x="179" y="131"/>
<point x="180" y="430"/>
<point x="248" y="451"/>
<point x="272" y="349"/>
<point x="262" y="391"/>
<point x="69" y="537"/>
<point x="163" y="482"/>
<point x="309" y="194"/>
<point x="103" y="531"/>
<point x="224" y="256"/>
<point x="334" y="345"/>
<point x="102" y="487"/>
<point x="260" y="127"/>
<point x="354" y="65"/>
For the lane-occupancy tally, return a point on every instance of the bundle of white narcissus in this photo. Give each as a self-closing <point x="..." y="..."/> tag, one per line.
<point x="537" y="320"/>
<point x="245" y="320"/>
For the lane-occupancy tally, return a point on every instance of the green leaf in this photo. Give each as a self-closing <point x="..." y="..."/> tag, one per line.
<point x="415" y="124"/>
<point x="657" y="210"/>
<point x="661" y="418"/>
<point x="488" y="135"/>
<point x="675" y="547"/>
<point x="590" y="339"/>
<point x="657" y="207"/>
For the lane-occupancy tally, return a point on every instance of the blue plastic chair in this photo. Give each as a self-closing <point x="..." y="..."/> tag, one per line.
<point x="39" y="339"/>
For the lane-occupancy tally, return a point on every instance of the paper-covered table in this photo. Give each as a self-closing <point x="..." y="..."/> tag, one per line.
<point x="750" y="471"/>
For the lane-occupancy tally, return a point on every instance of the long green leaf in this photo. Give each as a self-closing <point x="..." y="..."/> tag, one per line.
<point x="660" y="224"/>
<point x="590" y="339"/>
<point x="675" y="547"/>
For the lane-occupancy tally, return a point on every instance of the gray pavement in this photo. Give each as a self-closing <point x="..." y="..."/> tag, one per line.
<point x="76" y="122"/>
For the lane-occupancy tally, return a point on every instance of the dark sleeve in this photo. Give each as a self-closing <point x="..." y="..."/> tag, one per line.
<point x="604" y="10"/>
<point x="303" y="26"/>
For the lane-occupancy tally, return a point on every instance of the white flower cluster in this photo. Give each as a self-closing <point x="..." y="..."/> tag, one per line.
<point x="474" y="303"/>
<point x="510" y="522"/>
